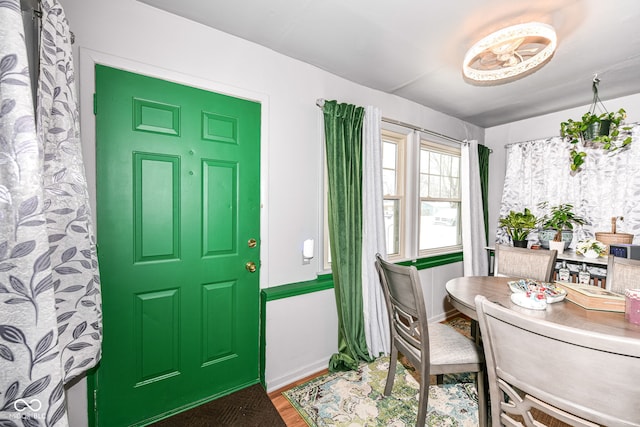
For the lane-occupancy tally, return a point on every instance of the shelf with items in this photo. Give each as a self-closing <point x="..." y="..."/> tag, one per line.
<point x="597" y="267"/>
<point x="580" y="273"/>
<point x="569" y="256"/>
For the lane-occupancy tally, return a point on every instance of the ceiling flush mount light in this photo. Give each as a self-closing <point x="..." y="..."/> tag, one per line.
<point x="509" y="54"/>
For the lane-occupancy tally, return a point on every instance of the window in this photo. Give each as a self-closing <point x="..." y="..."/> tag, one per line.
<point x="424" y="178"/>
<point x="393" y="184"/>
<point x="422" y="197"/>
<point x="440" y="200"/>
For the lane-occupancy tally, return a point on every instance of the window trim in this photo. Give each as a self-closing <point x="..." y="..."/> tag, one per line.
<point x="450" y="150"/>
<point x="401" y="187"/>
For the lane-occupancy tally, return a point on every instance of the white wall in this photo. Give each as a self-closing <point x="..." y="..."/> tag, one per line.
<point x="177" y="48"/>
<point x="137" y="37"/>
<point x="302" y="331"/>
<point x="302" y="334"/>
<point x="536" y="128"/>
<point x="433" y="281"/>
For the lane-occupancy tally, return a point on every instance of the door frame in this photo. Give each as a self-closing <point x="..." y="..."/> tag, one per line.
<point x="87" y="83"/>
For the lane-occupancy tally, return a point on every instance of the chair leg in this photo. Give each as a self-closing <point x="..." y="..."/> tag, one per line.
<point x="391" y="374"/>
<point x="482" y="399"/>
<point x="423" y="397"/>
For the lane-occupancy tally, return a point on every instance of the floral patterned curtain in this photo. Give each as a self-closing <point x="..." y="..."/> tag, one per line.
<point x="607" y="186"/>
<point x="50" y="307"/>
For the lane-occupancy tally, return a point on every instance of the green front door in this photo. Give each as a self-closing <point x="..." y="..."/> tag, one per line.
<point x="178" y="213"/>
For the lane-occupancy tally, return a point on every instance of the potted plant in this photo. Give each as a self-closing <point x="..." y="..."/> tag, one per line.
<point x="518" y="225"/>
<point x="592" y="129"/>
<point x="557" y="226"/>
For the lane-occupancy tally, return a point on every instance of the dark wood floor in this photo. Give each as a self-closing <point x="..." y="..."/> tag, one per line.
<point x="288" y="412"/>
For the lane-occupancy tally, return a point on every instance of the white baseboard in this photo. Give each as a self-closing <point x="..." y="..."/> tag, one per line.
<point x="442" y="316"/>
<point x="291" y="377"/>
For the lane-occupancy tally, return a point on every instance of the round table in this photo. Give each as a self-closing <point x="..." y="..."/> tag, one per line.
<point x="463" y="290"/>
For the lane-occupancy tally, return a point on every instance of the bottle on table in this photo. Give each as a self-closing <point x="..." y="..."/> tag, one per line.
<point x="584" y="278"/>
<point x="564" y="275"/>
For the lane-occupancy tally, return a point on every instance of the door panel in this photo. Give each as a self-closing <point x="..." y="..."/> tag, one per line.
<point x="156" y="196"/>
<point x="219" y="208"/>
<point x="156" y="334"/>
<point x="178" y="198"/>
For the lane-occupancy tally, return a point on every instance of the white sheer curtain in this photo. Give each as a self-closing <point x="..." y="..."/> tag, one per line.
<point x="607" y="185"/>
<point x="473" y="234"/>
<point x="376" y="322"/>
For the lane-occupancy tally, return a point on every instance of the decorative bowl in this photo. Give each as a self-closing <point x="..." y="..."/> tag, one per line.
<point x="531" y="287"/>
<point x="559" y="296"/>
<point x="518" y="285"/>
<point x="523" y="300"/>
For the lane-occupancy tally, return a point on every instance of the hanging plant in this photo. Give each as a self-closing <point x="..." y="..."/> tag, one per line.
<point x="595" y="130"/>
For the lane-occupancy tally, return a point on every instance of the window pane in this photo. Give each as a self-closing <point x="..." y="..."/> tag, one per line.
<point x="439" y="177"/>
<point x="434" y="186"/>
<point x="455" y="167"/>
<point x="389" y="182"/>
<point x="392" y="226"/>
<point x="445" y="165"/>
<point x="439" y="224"/>
<point x="390" y="168"/>
<point x="450" y="188"/>
<point x="455" y="188"/>
<point x="424" y="185"/>
<point x="446" y="190"/>
<point x="389" y="155"/>
<point x="424" y="161"/>
<point x="434" y="163"/>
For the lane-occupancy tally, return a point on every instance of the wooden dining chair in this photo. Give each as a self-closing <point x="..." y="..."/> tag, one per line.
<point x="622" y="273"/>
<point x="432" y="348"/>
<point x="536" y="264"/>
<point x="543" y="369"/>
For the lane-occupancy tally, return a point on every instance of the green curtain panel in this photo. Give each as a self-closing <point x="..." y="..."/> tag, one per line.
<point x="343" y="143"/>
<point x="483" y="160"/>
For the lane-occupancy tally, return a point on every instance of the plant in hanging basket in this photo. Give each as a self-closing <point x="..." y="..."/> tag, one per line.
<point x="595" y="130"/>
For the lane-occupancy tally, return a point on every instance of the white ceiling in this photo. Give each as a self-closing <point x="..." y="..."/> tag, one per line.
<point x="414" y="48"/>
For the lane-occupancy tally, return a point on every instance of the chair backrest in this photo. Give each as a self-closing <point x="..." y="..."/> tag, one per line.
<point x="622" y="273"/>
<point x="536" y="264"/>
<point x="576" y="376"/>
<point x="406" y="308"/>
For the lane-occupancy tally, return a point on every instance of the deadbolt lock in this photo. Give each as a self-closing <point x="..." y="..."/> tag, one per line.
<point x="252" y="243"/>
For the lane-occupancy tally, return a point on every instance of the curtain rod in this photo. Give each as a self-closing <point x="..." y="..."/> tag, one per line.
<point x="36" y="10"/>
<point x="320" y="103"/>
<point x="546" y="139"/>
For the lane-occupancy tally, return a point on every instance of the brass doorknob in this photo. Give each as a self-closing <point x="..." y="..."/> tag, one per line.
<point x="250" y="266"/>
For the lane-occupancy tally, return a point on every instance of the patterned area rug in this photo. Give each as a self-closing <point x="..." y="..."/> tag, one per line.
<point x="356" y="398"/>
